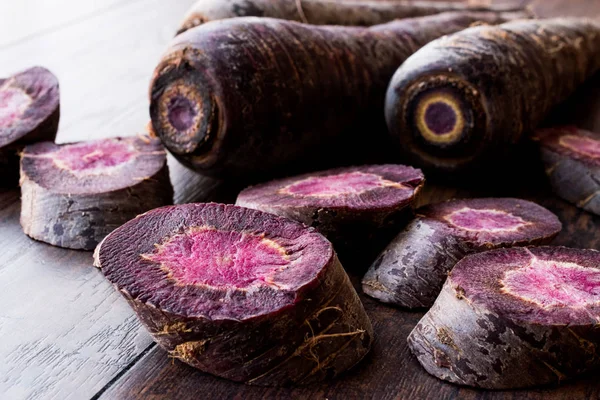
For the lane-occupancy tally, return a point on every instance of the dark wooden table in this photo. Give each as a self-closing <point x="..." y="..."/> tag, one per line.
<point x="66" y="334"/>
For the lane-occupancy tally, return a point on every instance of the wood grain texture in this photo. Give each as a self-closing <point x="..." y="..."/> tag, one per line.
<point x="65" y="331"/>
<point x="104" y="65"/>
<point x="30" y="18"/>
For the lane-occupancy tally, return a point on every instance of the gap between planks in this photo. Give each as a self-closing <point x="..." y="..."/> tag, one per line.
<point x="118" y="376"/>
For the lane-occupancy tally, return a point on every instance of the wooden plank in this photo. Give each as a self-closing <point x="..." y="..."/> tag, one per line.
<point x="28" y="19"/>
<point x="66" y="332"/>
<point x="104" y="66"/>
<point x="25" y="19"/>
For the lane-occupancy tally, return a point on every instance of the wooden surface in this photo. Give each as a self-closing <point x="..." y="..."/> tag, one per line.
<point x="66" y="334"/>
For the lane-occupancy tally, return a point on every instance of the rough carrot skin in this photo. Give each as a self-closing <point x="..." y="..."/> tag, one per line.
<point x="250" y="95"/>
<point x="514" y="318"/>
<point x="75" y="201"/>
<point x="412" y="269"/>
<point x="319" y="12"/>
<point x="350" y="206"/>
<point x="571" y="159"/>
<point x="464" y="100"/>
<point x="296" y="322"/>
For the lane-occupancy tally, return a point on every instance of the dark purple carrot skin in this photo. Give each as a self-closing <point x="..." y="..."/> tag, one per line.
<point x="358" y="225"/>
<point x="573" y="174"/>
<point x="426" y="249"/>
<point x="411" y="270"/>
<point x="477" y="335"/>
<point x="466" y="100"/>
<point x="38" y="123"/>
<point x="77" y="212"/>
<point x="356" y="13"/>
<point x="248" y="96"/>
<point x="319" y="330"/>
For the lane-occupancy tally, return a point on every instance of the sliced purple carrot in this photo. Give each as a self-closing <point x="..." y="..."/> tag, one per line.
<point x="73" y="195"/>
<point x="410" y="272"/>
<point x="29" y="112"/>
<point x="512" y="318"/>
<point x="239" y="293"/>
<point x="572" y="160"/>
<point x="357" y="208"/>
